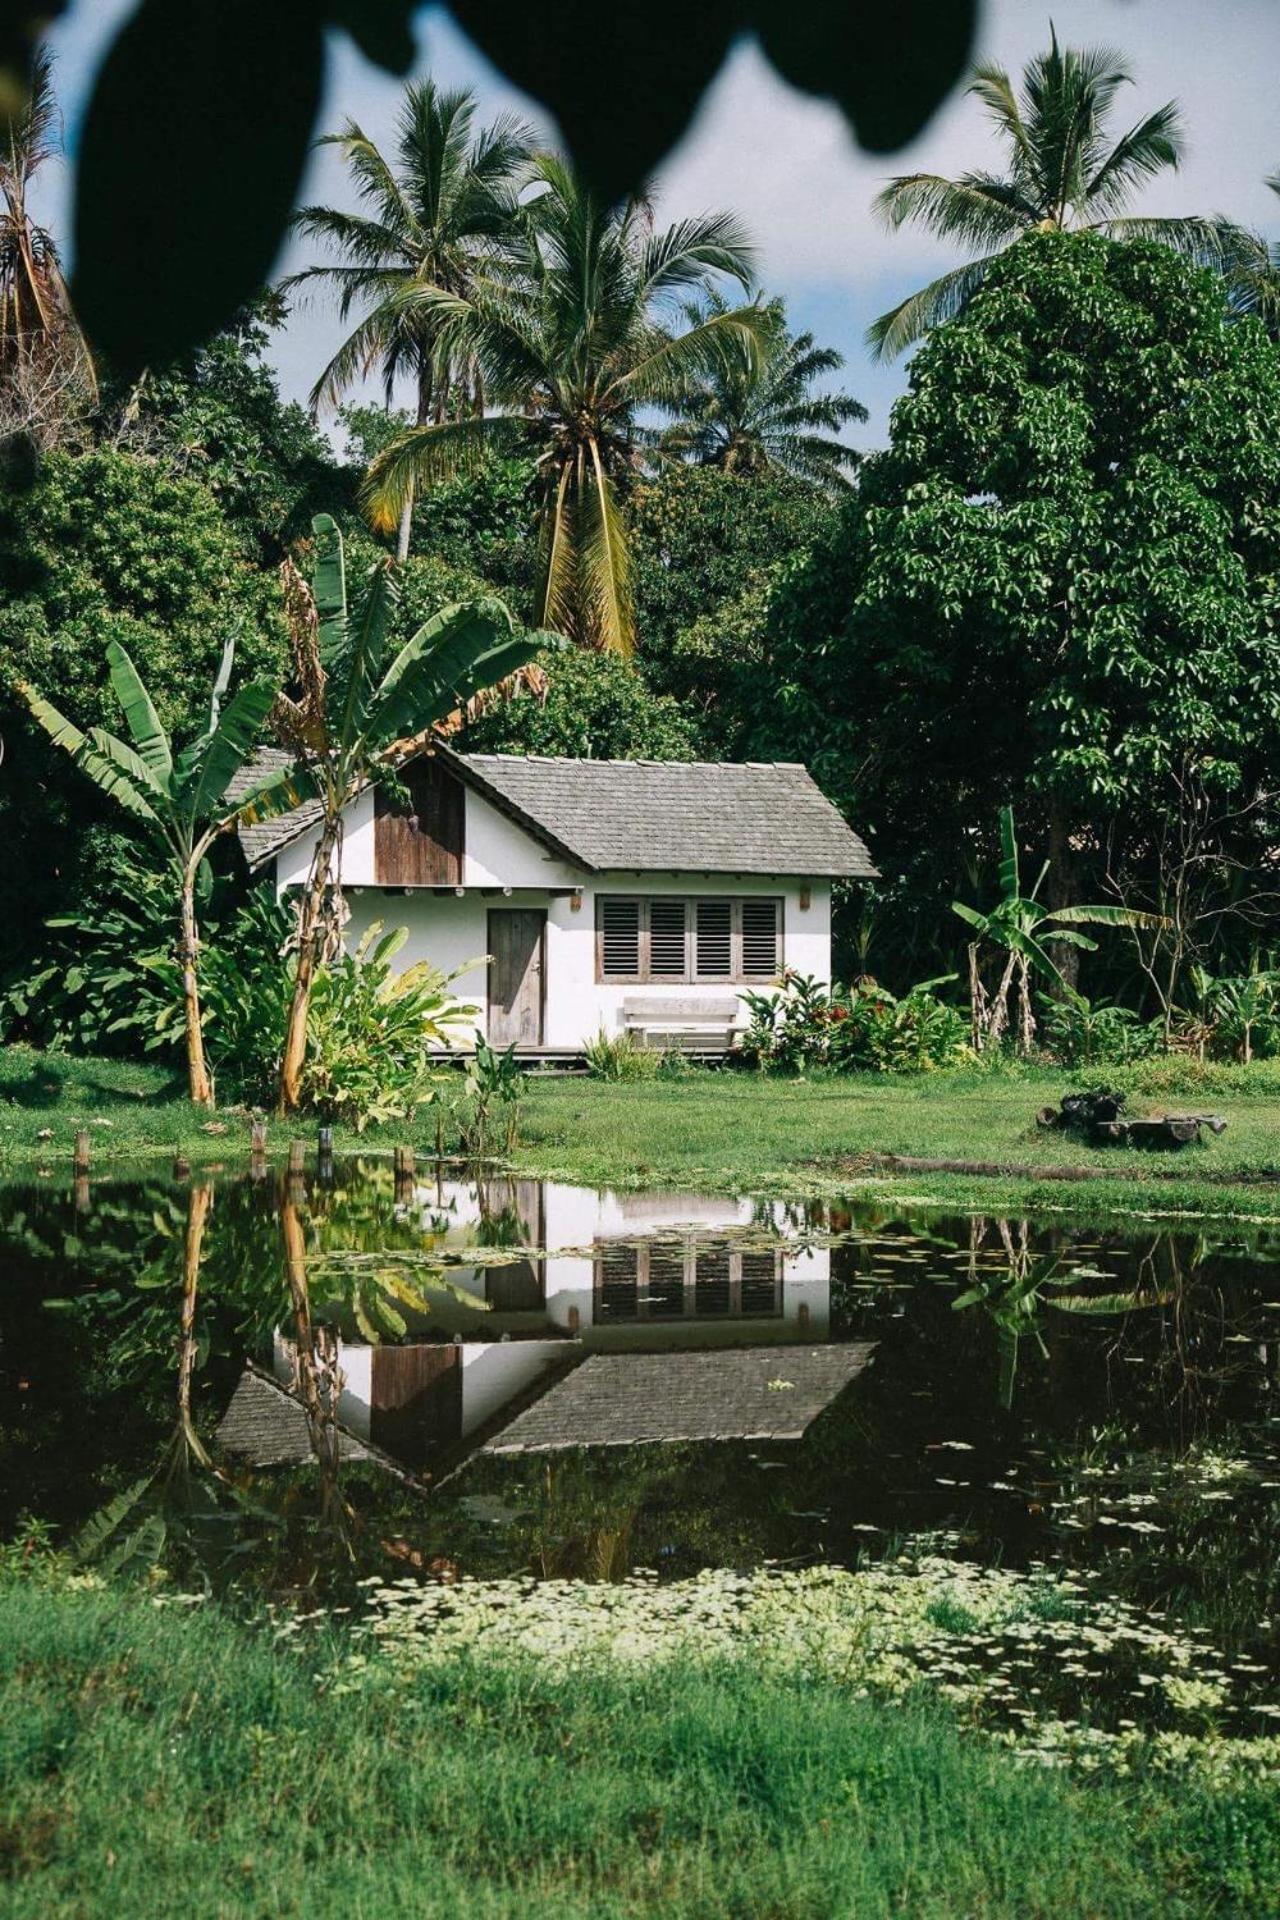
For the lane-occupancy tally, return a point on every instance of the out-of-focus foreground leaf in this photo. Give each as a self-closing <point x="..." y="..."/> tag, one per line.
<point x="191" y="156"/>
<point x="198" y="127"/>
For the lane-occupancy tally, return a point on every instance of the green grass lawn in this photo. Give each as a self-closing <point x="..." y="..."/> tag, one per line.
<point x="156" y="1761"/>
<point x="736" y="1130"/>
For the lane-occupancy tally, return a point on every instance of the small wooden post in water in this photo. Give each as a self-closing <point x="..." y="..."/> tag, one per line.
<point x="297" y="1159"/>
<point x="82" y="1152"/>
<point x="181" y="1167"/>
<point x="404" y="1173"/>
<point x="324" y="1154"/>
<point x="258" y="1150"/>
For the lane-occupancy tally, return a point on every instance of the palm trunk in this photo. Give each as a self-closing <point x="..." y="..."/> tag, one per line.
<point x="317" y="1375"/>
<point x="406" y="512"/>
<point x="199" y="1201"/>
<point x="198" y="1084"/>
<point x="310" y="935"/>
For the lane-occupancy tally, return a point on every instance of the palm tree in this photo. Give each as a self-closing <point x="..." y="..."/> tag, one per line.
<point x="181" y="799"/>
<point x="439" y="213"/>
<point x="1062" y="171"/>
<point x="571" y="344"/>
<point x="1021" y="928"/>
<point x="362" y="708"/>
<point x="752" y="412"/>
<point x="1253" y="275"/>
<point x="43" y="355"/>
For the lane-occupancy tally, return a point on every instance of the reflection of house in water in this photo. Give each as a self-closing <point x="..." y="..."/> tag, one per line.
<point x="605" y="1272"/>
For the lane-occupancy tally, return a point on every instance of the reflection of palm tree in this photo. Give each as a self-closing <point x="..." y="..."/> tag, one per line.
<point x="1062" y="171"/>
<point x="757" y="412"/>
<point x="573" y="340"/>
<point x="439" y="214"/>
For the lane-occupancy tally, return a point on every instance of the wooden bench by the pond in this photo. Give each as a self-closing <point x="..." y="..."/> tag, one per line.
<point x="690" y="1026"/>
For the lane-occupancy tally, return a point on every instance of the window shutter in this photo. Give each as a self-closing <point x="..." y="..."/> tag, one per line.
<point x="620" y="939"/>
<point x="715" y="940"/>
<point x="760" y="939"/>
<point x="666" y="940"/>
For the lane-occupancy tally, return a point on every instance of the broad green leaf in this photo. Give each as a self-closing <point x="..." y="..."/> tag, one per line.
<point x="329" y="588"/>
<point x="228" y="747"/>
<point x="100" y="769"/>
<point x="140" y="715"/>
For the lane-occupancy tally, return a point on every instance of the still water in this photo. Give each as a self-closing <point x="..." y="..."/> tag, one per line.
<point x="528" y="1377"/>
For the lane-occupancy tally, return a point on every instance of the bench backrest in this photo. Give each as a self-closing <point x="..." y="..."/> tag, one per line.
<point x="664" y="1012"/>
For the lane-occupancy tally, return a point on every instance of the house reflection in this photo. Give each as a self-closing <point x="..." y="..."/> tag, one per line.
<point x="560" y="1272"/>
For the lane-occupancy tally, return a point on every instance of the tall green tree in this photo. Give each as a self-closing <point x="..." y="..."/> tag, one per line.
<point x="758" y="411"/>
<point x="580" y="335"/>
<point x="1063" y="170"/>
<point x="1059" y="586"/>
<point x="180" y="799"/>
<point x="439" y="213"/>
<point x="361" y="705"/>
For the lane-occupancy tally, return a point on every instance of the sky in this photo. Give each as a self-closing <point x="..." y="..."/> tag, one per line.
<point x="788" y="165"/>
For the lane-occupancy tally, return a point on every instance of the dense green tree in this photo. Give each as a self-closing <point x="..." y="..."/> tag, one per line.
<point x="579" y="335"/>
<point x="596" y="706"/>
<point x="758" y="412"/>
<point x="708" y="547"/>
<point x="483" y="520"/>
<point x="108" y="547"/>
<point x="441" y="213"/>
<point x="1058" y="587"/>
<point x="217" y="416"/>
<point x="1062" y="170"/>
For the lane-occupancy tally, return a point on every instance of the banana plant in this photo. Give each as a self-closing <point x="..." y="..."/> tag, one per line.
<point x="180" y="800"/>
<point x="362" y="707"/>
<point x="1021" y="927"/>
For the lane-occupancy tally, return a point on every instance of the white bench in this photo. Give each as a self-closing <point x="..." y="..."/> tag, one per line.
<point x="690" y="1026"/>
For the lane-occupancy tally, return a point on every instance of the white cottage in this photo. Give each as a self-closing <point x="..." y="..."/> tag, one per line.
<point x="581" y="895"/>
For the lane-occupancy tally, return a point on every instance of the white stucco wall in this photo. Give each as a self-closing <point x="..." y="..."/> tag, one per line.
<point x="450" y="929"/>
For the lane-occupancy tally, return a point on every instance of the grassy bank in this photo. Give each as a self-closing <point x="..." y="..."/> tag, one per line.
<point x="717" y="1130"/>
<point x="156" y="1760"/>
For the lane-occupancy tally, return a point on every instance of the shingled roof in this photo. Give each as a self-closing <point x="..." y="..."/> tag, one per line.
<point x="638" y="816"/>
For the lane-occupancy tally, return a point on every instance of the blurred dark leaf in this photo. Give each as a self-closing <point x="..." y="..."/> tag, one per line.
<point x="889" y="63"/>
<point x="380" y="28"/>
<point x="198" y="128"/>
<point x="623" y="81"/>
<point x="193" y="148"/>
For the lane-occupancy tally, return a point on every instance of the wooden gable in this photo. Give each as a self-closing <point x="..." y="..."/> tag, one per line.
<point x="423" y="845"/>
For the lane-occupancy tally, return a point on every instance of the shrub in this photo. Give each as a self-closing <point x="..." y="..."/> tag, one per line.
<point x="369" y="1031"/>
<point x="621" y="1057"/>
<point x="495" y="1087"/>
<point x="1085" y="1033"/>
<point x="858" y="1028"/>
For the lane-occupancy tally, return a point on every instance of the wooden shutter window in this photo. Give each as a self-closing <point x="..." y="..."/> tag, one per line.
<point x="620" y="939"/>
<point x="714" y="944"/>
<point x="667" y="957"/>
<point x="759" y="939"/>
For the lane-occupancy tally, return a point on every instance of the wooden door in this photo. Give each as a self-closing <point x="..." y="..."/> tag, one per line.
<point x="517" y="939"/>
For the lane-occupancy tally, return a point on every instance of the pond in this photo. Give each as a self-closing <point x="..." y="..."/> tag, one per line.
<point x="514" y="1377"/>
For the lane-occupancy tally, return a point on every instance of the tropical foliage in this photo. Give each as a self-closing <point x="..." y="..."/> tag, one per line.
<point x="182" y="800"/>
<point x="1063" y="170"/>
<point x="1023" y="931"/>
<point x="47" y="375"/>
<point x="756" y="408"/>
<point x="441" y="214"/>
<point x="361" y="705"/>
<point x="579" y="332"/>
